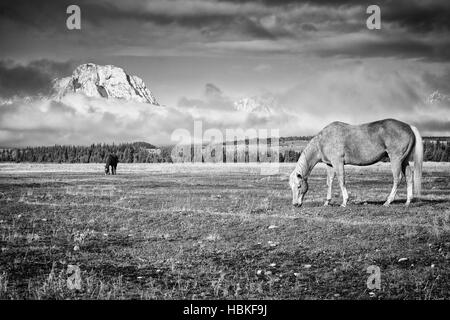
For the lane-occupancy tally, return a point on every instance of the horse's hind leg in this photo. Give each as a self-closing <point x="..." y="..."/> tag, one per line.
<point x="407" y="171"/>
<point x="330" y="176"/>
<point x="396" y="166"/>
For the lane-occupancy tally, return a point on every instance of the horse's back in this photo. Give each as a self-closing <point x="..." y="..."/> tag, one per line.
<point x="390" y="130"/>
<point x="367" y="143"/>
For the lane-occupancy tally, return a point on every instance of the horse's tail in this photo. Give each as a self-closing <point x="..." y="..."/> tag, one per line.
<point x="417" y="157"/>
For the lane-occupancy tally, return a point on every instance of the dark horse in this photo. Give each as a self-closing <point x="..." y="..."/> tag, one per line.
<point x="111" y="161"/>
<point x="361" y="145"/>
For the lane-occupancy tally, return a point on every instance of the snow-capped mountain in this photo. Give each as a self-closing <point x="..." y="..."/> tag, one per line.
<point x="264" y="105"/>
<point x="103" y="81"/>
<point x="437" y="97"/>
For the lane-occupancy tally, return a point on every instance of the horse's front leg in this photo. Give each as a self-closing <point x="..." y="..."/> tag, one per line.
<point x="330" y="176"/>
<point x="339" y="167"/>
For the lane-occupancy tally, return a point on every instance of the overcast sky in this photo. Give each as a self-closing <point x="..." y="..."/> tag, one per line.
<point x="317" y="59"/>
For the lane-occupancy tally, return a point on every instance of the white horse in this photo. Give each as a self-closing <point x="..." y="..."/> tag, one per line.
<point x="339" y="144"/>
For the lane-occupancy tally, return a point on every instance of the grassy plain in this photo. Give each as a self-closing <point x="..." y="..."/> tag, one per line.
<point x="205" y="231"/>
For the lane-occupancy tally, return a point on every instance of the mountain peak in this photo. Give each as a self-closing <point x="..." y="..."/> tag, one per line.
<point x="103" y="82"/>
<point x="256" y="104"/>
<point x="437" y="97"/>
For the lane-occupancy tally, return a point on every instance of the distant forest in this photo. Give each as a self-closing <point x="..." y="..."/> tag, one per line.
<point x="435" y="149"/>
<point x="137" y="152"/>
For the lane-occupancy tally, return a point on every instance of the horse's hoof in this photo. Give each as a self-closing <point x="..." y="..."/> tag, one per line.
<point x="386" y="204"/>
<point x="407" y="204"/>
<point x="326" y="204"/>
<point x="343" y="205"/>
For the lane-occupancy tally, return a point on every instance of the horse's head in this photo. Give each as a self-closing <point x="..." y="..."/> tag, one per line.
<point x="299" y="187"/>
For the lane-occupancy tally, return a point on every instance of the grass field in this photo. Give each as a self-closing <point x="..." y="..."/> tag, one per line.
<point x="217" y="231"/>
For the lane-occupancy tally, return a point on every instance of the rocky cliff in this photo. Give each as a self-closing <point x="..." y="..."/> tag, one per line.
<point x="103" y="81"/>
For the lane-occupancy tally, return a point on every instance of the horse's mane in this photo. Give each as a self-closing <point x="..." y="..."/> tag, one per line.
<point x="303" y="166"/>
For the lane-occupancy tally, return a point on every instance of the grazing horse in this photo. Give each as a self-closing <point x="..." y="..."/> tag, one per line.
<point x="361" y="145"/>
<point x="111" y="161"/>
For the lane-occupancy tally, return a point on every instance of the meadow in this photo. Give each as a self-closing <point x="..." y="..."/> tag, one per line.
<point x="217" y="231"/>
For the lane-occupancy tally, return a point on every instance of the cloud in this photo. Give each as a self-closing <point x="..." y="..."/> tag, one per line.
<point x="212" y="90"/>
<point x="386" y="45"/>
<point x="418" y="16"/>
<point x="30" y="79"/>
<point x="81" y="120"/>
<point x="208" y="16"/>
<point x="350" y="92"/>
<point x="316" y="57"/>
<point x="262" y="68"/>
<point x="434" y="127"/>
<point x="308" y="27"/>
<point x="440" y="81"/>
<point x="78" y="119"/>
<point x="409" y="28"/>
<point x="364" y="92"/>
<point x="213" y="99"/>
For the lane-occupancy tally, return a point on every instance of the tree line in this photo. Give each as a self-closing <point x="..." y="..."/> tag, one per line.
<point x="137" y="152"/>
<point x="142" y="152"/>
<point x="438" y="150"/>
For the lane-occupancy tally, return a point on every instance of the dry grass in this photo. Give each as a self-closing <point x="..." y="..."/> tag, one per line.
<point x="217" y="231"/>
